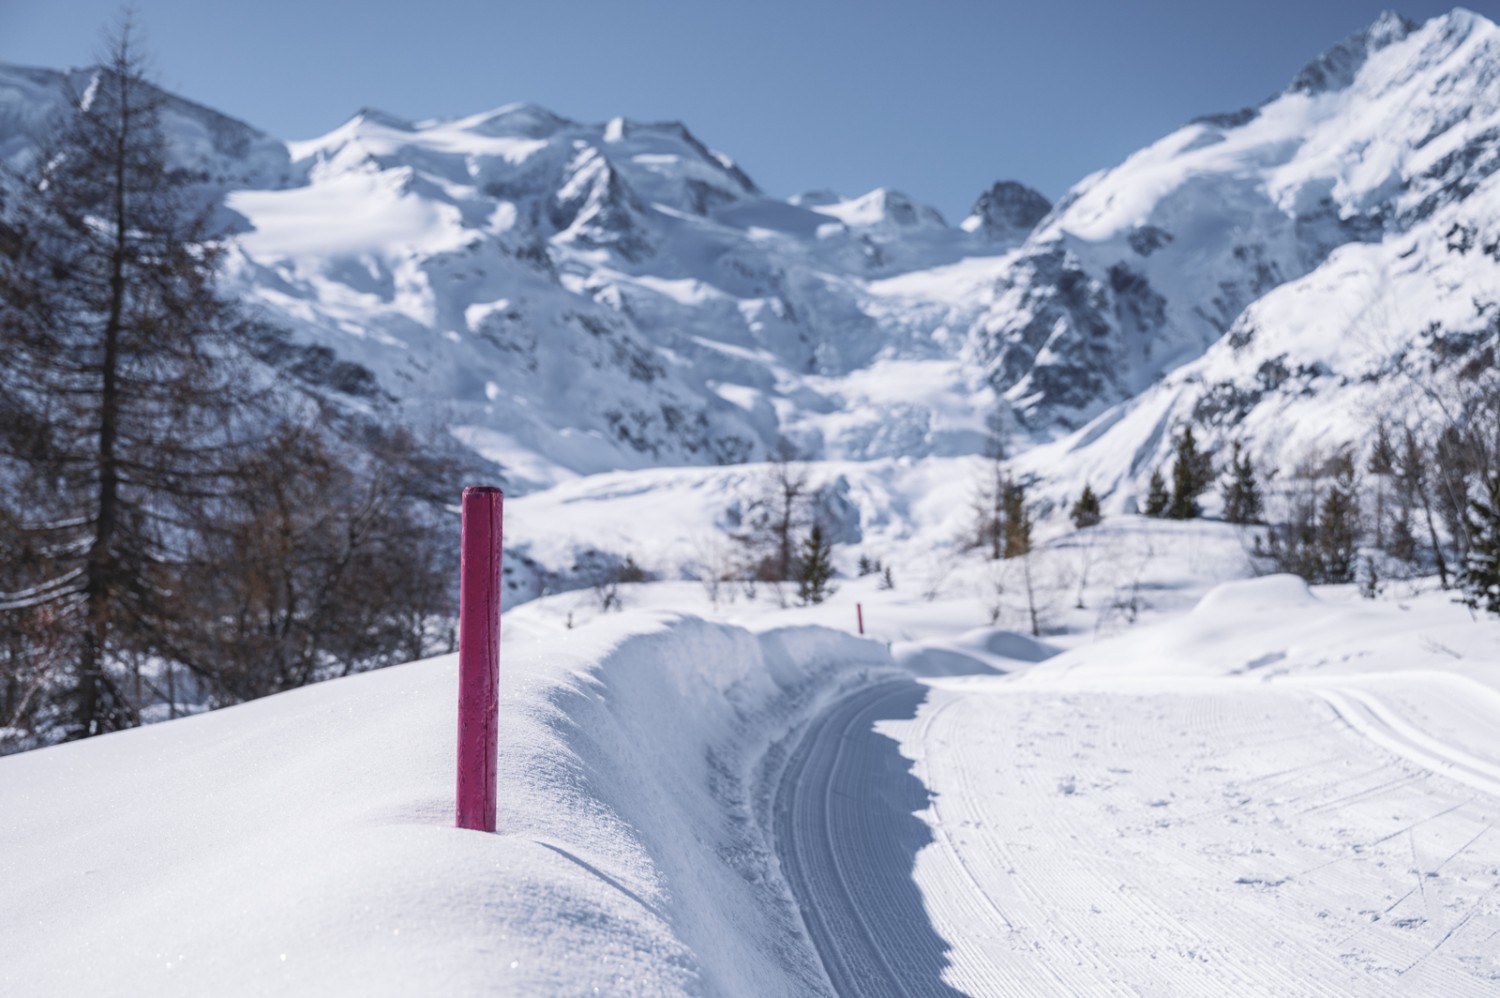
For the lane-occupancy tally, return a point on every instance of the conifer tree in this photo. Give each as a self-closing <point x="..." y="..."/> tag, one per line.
<point x="115" y="398"/>
<point x="1292" y="542"/>
<point x="1339" y="525"/>
<point x="991" y="488"/>
<point x="1158" y="499"/>
<point x="1192" y="473"/>
<point x="1382" y="465"/>
<point x="1403" y="541"/>
<point x="1480" y="579"/>
<point x="1383" y="453"/>
<point x="1017" y="521"/>
<point x="1085" y="512"/>
<point x="786" y="496"/>
<point x="161" y="503"/>
<point x="1241" y="493"/>
<point x="815" y="568"/>
<point x="1453" y="470"/>
<point x="1369" y="584"/>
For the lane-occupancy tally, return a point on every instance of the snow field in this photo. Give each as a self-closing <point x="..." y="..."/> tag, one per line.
<point x="1257" y="790"/>
<point x="304" y="843"/>
<point x="914" y="516"/>
<point x="1174" y="809"/>
<point x="1280" y="792"/>
<point x="1212" y="842"/>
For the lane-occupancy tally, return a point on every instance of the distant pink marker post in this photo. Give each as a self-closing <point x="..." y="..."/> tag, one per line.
<point x="479" y="657"/>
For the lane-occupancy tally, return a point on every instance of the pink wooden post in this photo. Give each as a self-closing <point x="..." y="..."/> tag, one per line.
<point x="479" y="656"/>
<point x="859" y="613"/>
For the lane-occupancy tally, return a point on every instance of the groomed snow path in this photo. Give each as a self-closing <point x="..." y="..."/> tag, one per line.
<point x="1191" y="837"/>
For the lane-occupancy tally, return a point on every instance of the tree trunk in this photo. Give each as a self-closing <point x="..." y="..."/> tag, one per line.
<point x="1437" y="546"/>
<point x="101" y="559"/>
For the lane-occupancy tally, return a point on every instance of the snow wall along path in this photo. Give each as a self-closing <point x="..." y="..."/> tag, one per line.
<point x="304" y="843"/>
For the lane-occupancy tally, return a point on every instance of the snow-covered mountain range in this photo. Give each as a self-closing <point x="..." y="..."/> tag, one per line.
<point x="569" y="299"/>
<point x="1285" y="274"/>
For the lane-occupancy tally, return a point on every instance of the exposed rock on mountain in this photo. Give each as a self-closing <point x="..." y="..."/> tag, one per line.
<point x="1007" y="212"/>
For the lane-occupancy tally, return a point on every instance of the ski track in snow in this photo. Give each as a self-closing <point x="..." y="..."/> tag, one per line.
<point x="847" y="836"/>
<point x="1235" y="836"/>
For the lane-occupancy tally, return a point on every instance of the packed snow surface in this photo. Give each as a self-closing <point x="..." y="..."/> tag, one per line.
<point x="1257" y="789"/>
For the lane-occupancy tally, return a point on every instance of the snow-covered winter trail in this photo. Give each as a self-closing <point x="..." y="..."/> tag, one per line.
<point x="1152" y="836"/>
<point x="848" y="835"/>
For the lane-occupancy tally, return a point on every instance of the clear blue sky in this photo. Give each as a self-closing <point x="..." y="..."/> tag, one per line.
<point x="936" y="98"/>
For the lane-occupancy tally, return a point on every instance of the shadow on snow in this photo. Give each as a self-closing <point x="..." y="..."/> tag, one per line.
<point x="848" y="836"/>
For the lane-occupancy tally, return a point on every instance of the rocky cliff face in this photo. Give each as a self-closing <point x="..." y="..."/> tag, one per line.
<point x="1007" y="212"/>
<point x="1360" y="274"/>
<point x="1143" y="267"/>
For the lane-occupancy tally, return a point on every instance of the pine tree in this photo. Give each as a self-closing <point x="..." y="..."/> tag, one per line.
<point x="786" y="496"/>
<point x="815" y="568"/>
<point x="1403" y="542"/>
<point x="159" y="502"/>
<point x="1241" y="493"/>
<point x="1383" y="453"/>
<point x="1382" y="465"/>
<point x="1017" y="521"/>
<point x="1338" y="527"/>
<point x="1369" y="584"/>
<point x="1157" y="496"/>
<point x="1480" y="579"/>
<point x="629" y="571"/>
<point x="1453" y="469"/>
<point x="1192" y="473"/>
<point x="1085" y="512"/>
<point x="115" y="396"/>
<point x="1292" y="542"/>
<point x="1413" y="489"/>
<point x="991" y="489"/>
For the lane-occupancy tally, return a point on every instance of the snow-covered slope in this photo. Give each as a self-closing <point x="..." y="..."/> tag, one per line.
<point x="572" y="298"/>
<point x="1279" y="792"/>
<point x="1322" y="208"/>
<point x="606" y="296"/>
<point x="225" y="152"/>
<point x="303" y="843"/>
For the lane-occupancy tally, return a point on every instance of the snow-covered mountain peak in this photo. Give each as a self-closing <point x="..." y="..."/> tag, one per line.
<point x="517" y="119"/>
<point x="382" y="119"/>
<point x="527" y="153"/>
<point x="1337" y="68"/>
<point x="881" y="207"/>
<point x="224" y="151"/>
<point x="1008" y="211"/>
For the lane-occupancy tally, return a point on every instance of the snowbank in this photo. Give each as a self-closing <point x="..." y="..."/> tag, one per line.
<point x="303" y="843"/>
<point x="1277" y="628"/>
